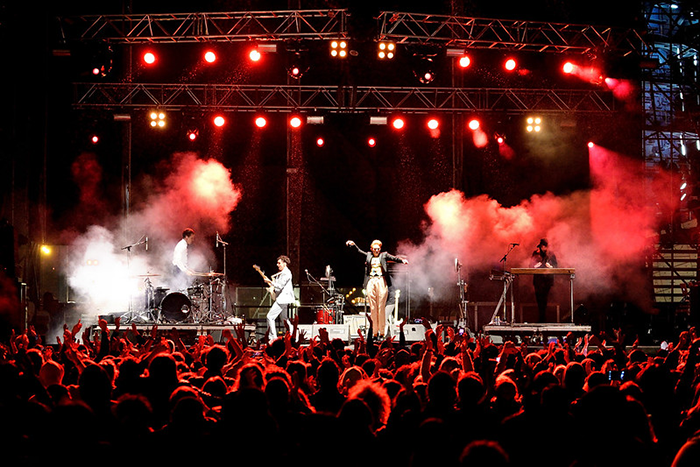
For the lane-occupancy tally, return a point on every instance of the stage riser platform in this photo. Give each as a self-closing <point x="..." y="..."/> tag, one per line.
<point x="533" y="333"/>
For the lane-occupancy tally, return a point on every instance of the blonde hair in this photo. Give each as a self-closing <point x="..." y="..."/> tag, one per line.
<point x="376" y="242"/>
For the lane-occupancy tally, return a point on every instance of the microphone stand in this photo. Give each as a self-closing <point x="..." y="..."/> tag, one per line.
<point x="223" y="286"/>
<point x="129" y="313"/>
<point x="507" y="282"/>
<point x="463" y="299"/>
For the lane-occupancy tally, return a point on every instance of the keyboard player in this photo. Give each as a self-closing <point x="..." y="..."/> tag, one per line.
<point x="542" y="257"/>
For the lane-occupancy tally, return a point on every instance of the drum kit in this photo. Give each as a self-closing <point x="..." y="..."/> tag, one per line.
<point x="201" y="303"/>
<point x="331" y="312"/>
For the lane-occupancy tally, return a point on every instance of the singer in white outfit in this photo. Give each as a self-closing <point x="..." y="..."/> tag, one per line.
<point x="283" y="289"/>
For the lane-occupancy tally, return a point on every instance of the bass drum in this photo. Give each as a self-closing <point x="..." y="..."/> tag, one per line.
<point x="176" y="307"/>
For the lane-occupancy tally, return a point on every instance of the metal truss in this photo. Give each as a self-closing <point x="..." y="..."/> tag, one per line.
<point x="402" y="27"/>
<point x="464" y="32"/>
<point x="337" y="99"/>
<point x="210" y="27"/>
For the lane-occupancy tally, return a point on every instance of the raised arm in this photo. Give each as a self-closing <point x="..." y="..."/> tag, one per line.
<point x="351" y="243"/>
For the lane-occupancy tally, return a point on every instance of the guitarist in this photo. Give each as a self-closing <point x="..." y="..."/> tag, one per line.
<point x="283" y="292"/>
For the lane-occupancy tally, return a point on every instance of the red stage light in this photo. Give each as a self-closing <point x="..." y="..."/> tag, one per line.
<point x="433" y="124"/>
<point x="371" y="142"/>
<point x="320" y="142"/>
<point x="219" y="121"/>
<point x="591" y="144"/>
<point x="210" y="57"/>
<point x="254" y="55"/>
<point x="95" y="139"/>
<point x="398" y="123"/>
<point x="510" y="64"/>
<point x="464" y="61"/>
<point x="474" y="124"/>
<point x="260" y="122"/>
<point x="95" y="71"/>
<point x="192" y="134"/>
<point x="568" y="68"/>
<point x="149" y="58"/>
<point x="295" y="122"/>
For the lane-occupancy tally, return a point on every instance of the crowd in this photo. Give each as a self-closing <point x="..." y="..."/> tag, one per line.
<point x="118" y="396"/>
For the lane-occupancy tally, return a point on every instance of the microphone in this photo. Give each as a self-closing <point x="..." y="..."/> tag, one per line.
<point x="146" y="243"/>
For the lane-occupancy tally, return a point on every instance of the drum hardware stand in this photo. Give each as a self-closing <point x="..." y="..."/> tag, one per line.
<point x="507" y="279"/>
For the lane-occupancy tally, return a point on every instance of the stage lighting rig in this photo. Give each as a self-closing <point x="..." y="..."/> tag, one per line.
<point x="534" y="124"/>
<point x="101" y="60"/>
<point x="386" y="50"/>
<point x="339" y="49"/>
<point x="298" y="64"/>
<point x="157" y="119"/>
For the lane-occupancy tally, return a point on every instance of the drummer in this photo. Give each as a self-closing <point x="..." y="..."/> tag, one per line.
<point x="182" y="274"/>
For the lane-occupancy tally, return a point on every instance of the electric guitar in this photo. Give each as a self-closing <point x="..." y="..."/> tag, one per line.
<point x="270" y="288"/>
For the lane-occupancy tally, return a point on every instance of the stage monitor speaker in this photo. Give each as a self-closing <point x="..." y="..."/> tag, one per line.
<point x="335" y="331"/>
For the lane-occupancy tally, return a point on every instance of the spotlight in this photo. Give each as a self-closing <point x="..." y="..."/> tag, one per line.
<point x="371" y="142"/>
<point x="219" y="121"/>
<point x="192" y="134"/>
<point x="433" y="124"/>
<point x="295" y="122"/>
<point x="398" y="123"/>
<point x="295" y="72"/>
<point x="320" y="142"/>
<point x="45" y="250"/>
<point x="568" y="68"/>
<point x="95" y="139"/>
<point x="339" y="49"/>
<point x="591" y="144"/>
<point x="464" y="61"/>
<point x="500" y="139"/>
<point x="386" y="50"/>
<point x="157" y="119"/>
<point x="149" y="58"/>
<point x="209" y="56"/>
<point x="260" y="122"/>
<point x="510" y="64"/>
<point x="254" y="55"/>
<point x="474" y="124"/>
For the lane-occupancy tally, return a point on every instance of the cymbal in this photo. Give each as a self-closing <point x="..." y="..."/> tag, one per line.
<point x="208" y="274"/>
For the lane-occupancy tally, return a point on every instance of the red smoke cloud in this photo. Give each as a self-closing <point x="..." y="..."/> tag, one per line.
<point x="603" y="233"/>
